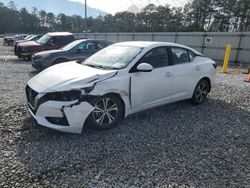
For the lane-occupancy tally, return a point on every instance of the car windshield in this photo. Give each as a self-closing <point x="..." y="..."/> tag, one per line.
<point x="71" y="45"/>
<point x="44" y="39"/>
<point x="28" y="37"/>
<point x="113" y="57"/>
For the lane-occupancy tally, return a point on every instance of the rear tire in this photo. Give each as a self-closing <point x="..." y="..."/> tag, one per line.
<point x="200" y="92"/>
<point x="107" y="113"/>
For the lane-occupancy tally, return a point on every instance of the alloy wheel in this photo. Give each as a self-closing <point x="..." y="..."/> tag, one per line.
<point x="201" y="92"/>
<point x="105" y="111"/>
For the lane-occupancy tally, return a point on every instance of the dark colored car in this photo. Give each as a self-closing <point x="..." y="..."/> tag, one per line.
<point x="49" y="41"/>
<point x="76" y="50"/>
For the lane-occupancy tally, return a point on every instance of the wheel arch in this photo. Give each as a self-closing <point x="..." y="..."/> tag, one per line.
<point x="117" y="95"/>
<point x="208" y="81"/>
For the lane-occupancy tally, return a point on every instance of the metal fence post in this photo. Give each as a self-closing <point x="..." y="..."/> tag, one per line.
<point x="133" y="36"/>
<point x="238" y="48"/>
<point x="176" y="37"/>
<point x="203" y="42"/>
<point x="117" y="37"/>
<point x="153" y="37"/>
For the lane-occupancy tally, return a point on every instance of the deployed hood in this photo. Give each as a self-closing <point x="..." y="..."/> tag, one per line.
<point x="67" y="76"/>
<point x="29" y="43"/>
<point x="49" y="52"/>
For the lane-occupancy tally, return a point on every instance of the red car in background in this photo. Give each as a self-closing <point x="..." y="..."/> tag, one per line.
<point x="49" y="41"/>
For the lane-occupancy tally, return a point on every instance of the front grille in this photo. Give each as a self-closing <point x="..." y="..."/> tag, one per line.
<point x="17" y="50"/>
<point x="31" y="95"/>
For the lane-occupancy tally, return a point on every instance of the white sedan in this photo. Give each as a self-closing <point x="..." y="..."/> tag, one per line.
<point x="119" y="80"/>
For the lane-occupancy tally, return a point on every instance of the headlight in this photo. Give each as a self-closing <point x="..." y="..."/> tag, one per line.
<point x="64" y="96"/>
<point x="25" y="49"/>
<point x="69" y="95"/>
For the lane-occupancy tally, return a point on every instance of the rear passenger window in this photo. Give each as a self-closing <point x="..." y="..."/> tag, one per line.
<point x="180" y="55"/>
<point x="66" y="40"/>
<point x="101" y="45"/>
<point x="157" y="57"/>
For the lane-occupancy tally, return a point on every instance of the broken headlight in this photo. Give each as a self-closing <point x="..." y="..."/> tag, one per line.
<point x="69" y="95"/>
<point x="64" y="96"/>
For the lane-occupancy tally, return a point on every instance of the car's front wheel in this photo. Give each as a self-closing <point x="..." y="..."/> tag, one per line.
<point x="201" y="91"/>
<point x="107" y="112"/>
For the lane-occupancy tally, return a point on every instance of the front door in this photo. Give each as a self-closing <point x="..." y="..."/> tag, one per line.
<point x="152" y="88"/>
<point x="84" y="50"/>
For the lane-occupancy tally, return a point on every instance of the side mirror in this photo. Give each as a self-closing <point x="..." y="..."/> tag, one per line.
<point x="144" y="67"/>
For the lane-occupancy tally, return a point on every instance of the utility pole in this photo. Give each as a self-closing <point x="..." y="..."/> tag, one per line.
<point x="86" y="16"/>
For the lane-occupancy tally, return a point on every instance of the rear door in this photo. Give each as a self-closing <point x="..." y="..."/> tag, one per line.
<point x="187" y="71"/>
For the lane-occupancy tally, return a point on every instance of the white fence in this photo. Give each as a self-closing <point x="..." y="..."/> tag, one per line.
<point x="212" y="44"/>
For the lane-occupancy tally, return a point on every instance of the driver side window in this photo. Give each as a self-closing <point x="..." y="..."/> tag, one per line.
<point x="86" y="46"/>
<point x="157" y="57"/>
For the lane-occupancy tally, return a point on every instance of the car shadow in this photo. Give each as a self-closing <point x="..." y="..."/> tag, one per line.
<point x="206" y="145"/>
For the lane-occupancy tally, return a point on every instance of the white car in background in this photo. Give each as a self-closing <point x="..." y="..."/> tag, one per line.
<point x="119" y="80"/>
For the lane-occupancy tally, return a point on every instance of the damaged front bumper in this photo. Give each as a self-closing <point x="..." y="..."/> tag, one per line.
<point x="62" y="116"/>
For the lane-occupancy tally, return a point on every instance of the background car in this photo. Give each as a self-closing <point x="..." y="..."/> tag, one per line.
<point x="49" y="41"/>
<point x="11" y="40"/>
<point x="26" y="39"/>
<point x="76" y="50"/>
<point x="119" y="80"/>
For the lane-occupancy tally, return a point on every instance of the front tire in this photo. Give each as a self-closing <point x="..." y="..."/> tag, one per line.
<point x="200" y="93"/>
<point x="107" y="112"/>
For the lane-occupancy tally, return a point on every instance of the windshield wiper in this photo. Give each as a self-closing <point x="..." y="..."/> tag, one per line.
<point x="100" y="67"/>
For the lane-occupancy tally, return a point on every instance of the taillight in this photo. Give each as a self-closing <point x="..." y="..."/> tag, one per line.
<point x="215" y="65"/>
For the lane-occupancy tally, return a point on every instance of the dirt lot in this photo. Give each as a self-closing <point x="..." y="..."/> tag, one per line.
<point x="177" y="145"/>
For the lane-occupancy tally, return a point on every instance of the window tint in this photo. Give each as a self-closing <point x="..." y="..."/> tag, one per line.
<point x="101" y="45"/>
<point x="65" y="40"/>
<point x="86" y="46"/>
<point x="157" y="57"/>
<point x="180" y="55"/>
<point x="56" y="41"/>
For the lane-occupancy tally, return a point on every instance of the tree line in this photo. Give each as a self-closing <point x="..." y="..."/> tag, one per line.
<point x="197" y="15"/>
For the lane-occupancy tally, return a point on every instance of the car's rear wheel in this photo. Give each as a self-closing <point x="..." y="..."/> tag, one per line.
<point x="107" y="112"/>
<point x="200" y="93"/>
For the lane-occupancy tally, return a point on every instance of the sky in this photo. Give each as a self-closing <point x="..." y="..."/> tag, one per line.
<point x="113" y="6"/>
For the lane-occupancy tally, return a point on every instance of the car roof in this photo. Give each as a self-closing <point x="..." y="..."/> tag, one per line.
<point x="97" y="40"/>
<point x="60" y="34"/>
<point x="153" y="44"/>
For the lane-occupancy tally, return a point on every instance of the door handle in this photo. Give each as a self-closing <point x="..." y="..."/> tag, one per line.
<point x="168" y="74"/>
<point x="197" y="68"/>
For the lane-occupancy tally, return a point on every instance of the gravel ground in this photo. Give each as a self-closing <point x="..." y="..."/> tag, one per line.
<point x="176" y="145"/>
